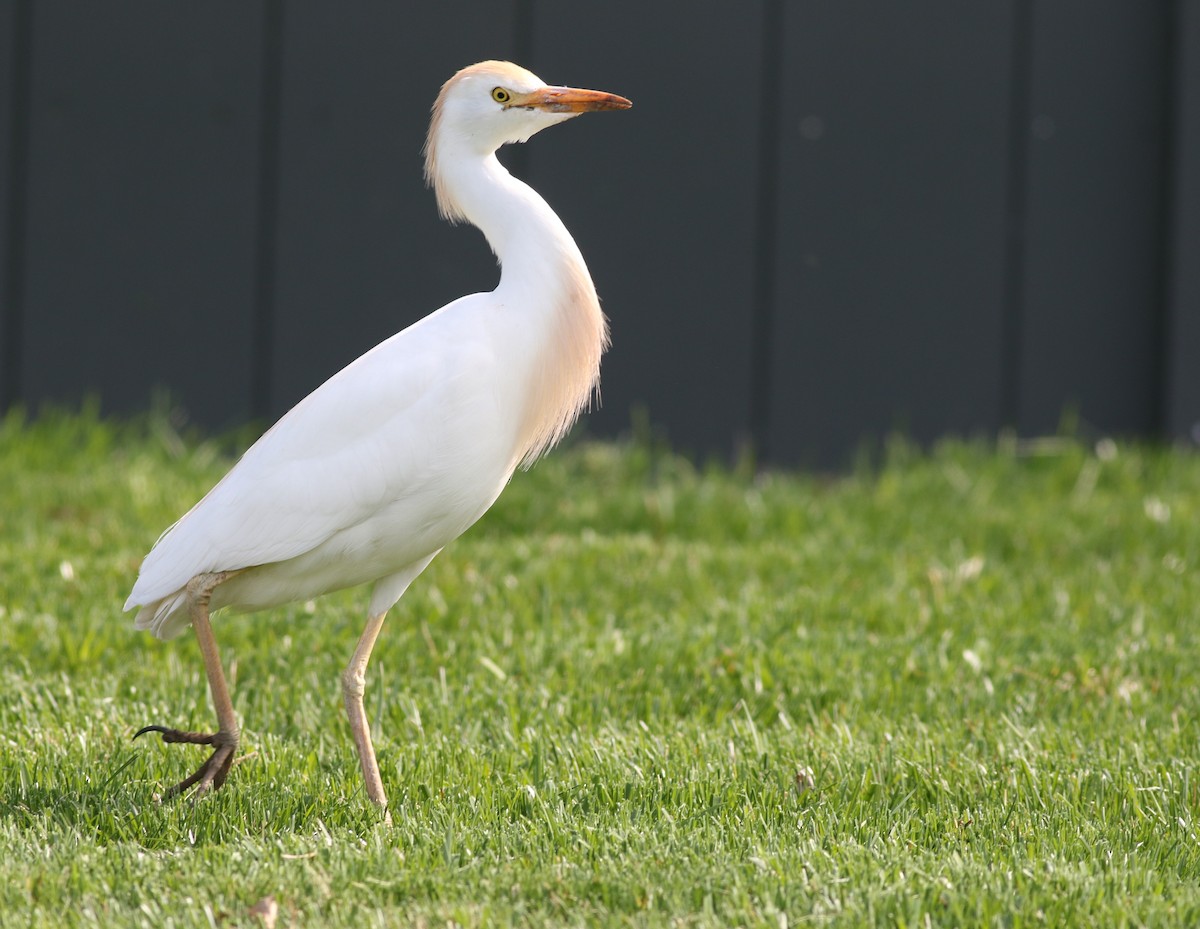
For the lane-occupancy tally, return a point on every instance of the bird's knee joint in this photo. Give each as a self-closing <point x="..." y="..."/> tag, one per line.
<point x="199" y="590"/>
<point x="354" y="683"/>
<point x="201" y="586"/>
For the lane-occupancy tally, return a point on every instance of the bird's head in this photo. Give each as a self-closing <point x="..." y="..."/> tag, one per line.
<point x="493" y="103"/>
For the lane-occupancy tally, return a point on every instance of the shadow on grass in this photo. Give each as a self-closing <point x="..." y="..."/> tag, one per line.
<point x="119" y="805"/>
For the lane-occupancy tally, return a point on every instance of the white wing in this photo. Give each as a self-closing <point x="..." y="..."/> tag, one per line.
<point x="363" y="438"/>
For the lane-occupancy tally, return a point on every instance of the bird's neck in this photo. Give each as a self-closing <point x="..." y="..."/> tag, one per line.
<point x="545" y="284"/>
<point x="514" y="218"/>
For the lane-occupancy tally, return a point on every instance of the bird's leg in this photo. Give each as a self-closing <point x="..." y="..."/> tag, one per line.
<point x="353" y="687"/>
<point x="211" y="774"/>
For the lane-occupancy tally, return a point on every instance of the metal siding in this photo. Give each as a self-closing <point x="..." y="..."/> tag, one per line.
<point x="1094" y="235"/>
<point x="917" y="276"/>
<point x="361" y="250"/>
<point x="889" y="310"/>
<point x="1183" y="330"/>
<point x="661" y="201"/>
<point x="142" y="181"/>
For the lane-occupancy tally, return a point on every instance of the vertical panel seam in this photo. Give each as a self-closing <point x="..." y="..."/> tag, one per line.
<point x="764" y="285"/>
<point x="13" y="315"/>
<point x="266" y="233"/>
<point x="1162" y="375"/>
<point x="1016" y="212"/>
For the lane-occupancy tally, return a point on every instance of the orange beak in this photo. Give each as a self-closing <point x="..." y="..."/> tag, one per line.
<point x="571" y="100"/>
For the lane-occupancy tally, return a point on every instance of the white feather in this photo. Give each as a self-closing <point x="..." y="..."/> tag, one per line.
<point x="367" y="478"/>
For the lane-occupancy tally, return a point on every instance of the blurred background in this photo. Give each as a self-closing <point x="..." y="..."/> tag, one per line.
<point x="820" y="223"/>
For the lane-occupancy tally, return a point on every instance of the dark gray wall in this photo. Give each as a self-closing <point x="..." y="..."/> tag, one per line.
<point x="820" y="221"/>
<point x="141" y="203"/>
<point x="1094" y="237"/>
<point x="890" y="237"/>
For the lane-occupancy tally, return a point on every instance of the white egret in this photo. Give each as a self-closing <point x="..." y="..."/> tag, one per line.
<point x="367" y="478"/>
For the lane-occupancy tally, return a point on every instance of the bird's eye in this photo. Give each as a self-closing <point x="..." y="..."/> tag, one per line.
<point x="500" y="95"/>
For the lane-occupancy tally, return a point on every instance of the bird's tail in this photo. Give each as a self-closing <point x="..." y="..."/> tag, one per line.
<point x="166" y="618"/>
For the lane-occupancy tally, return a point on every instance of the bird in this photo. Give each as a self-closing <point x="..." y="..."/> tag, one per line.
<point x="370" y="476"/>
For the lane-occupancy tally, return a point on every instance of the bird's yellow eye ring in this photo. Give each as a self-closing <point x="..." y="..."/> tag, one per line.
<point x="500" y="95"/>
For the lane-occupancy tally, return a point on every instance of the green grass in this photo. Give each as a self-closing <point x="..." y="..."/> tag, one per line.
<point x="961" y="689"/>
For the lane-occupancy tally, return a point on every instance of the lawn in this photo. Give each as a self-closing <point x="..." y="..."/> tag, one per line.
<point x="959" y="688"/>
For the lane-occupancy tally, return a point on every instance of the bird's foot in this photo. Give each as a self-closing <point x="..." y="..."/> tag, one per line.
<point x="210" y="775"/>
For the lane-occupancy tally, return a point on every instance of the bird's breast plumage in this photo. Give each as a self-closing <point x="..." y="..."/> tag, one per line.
<point x="563" y="372"/>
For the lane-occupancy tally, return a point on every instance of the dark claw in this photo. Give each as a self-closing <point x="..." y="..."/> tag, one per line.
<point x="210" y="775"/>
<point x="178" y="735"/>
